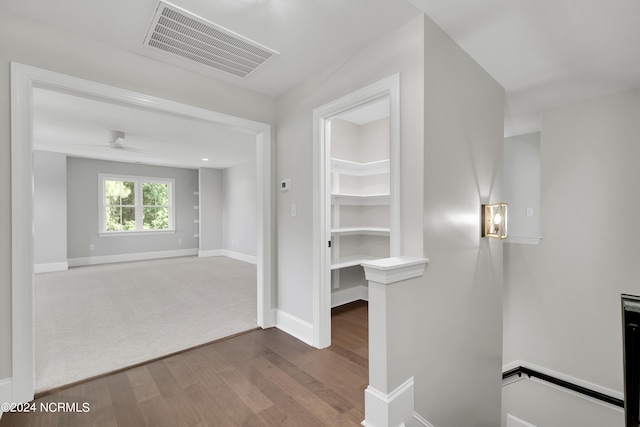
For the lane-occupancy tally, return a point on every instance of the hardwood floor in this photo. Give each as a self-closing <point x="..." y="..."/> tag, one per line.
<point x="261" y="378"/>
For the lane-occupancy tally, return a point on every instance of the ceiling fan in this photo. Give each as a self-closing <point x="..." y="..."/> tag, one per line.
<point x="118" y="141"/>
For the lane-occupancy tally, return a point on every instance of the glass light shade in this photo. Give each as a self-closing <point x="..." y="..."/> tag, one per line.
<point x="494" y="220"/>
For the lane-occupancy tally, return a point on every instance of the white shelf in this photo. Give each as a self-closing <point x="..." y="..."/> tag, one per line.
<point x="348" y="167"/>
<point x="360" y="199"/>
<point x="351" y="261"/>
<point x="369" y="231"/>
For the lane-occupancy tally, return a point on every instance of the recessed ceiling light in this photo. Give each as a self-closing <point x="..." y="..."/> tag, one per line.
<point x="205" y="159"/>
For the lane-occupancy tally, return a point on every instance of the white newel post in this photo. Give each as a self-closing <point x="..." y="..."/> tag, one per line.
<point x="386" y="407"/>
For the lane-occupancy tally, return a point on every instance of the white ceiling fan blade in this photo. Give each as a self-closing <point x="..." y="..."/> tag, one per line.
<point x="134" y="150"/>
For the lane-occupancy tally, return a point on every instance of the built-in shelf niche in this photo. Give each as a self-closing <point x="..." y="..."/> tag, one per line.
<point x="360" y="198"/>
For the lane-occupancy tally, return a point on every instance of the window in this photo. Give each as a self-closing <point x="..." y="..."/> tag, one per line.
<point x="131" y="204"/>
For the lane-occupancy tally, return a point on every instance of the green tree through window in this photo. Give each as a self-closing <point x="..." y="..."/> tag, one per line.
<point x="136" y="204"/>
<point x="121" y="210"/>
<point x="155" y="201"/>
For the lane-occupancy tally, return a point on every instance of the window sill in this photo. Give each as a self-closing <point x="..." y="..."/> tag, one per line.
<point x="134" y="233"/>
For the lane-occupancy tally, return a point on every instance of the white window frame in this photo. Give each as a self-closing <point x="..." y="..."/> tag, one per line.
<point x="138" y="181"/>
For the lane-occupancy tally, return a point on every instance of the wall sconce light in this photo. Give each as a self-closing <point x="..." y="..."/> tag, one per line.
<point x="494" y="220"/>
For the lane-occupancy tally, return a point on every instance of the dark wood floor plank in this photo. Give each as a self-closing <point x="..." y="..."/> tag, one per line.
<point x="206" y="362"/>
<point x="208" y="409"/>
<point x="263" y="378"/>
<point x="144" y="387"/>
<point x="278" y="376"/>
<point x="73" y="414"/>
<point x="336" y="367"/>
<point x="97" y="394"/>
<point x="354" y="356"/>
<point x="327" y="414"/>
<point x="164" y="379"/>
<point x="246" y="391"/>
<point x="238" y="351"/>
<point x="181" y="371"/>
<point x="156" y="413"/>
<point x="337" y="402"/>
<point x="183" y="408"/>
<point x="273" y="416"/>
<point x="125" y="407"/>
<point x="296" y="414"/>
<point x="235" y="408"/>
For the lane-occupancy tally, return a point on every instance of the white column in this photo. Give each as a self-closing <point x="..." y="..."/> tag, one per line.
<point x="384" y="406"/>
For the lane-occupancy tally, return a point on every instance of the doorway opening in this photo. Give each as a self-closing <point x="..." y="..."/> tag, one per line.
<point x="356" y="157"/>
<point x="24" y="80"/>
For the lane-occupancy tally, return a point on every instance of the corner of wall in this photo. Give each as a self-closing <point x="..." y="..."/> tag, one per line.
<point x="393" y="409"/>
<point x="6" y="392"/>
<point x="295" y="326"/>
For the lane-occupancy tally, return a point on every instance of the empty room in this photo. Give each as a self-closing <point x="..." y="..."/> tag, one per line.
<point x="432" y="204"/>
<point x="145" y="236"/>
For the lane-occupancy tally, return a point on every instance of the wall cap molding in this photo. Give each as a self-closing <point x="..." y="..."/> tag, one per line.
<point x="394" y="269"/>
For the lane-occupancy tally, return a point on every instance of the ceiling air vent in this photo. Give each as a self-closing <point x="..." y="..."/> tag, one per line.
<point x="181" y="33"/>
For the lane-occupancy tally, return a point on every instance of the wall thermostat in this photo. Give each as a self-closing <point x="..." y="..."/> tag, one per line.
<point x="285" y="185"/>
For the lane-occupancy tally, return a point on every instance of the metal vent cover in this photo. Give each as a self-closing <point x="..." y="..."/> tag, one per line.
<point x="182" y="33"/>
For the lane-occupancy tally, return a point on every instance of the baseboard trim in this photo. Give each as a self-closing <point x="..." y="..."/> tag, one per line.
<point x="6" y="392"/>
<point x="517" y="422"/>
<point x="241" y="257"/>
<point x="421" y="420"/>
<point x="294" y="326"/>
<point x="210" y="253"/>
<point x="348" y="295"/>
<point x="567" y="383"/>
<point x="141" y="256"/>
<point x="229" y="254"/>
<point x="50" y="267"/>
<point x="392" y="409"/>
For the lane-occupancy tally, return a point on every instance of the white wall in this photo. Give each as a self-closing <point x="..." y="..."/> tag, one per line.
<point x="211" y="208"/>
<point x="562" y="297"/>
<point x="544" y="405"/>
<point x="83" y="204"/>
<point x="58" y="50"/>
<point x="400" y="51"/>
<point x="522" y="186"/>
<point x="455" y="315"/>
<point x="49" y="208"/>
<point x="239" y="219"/>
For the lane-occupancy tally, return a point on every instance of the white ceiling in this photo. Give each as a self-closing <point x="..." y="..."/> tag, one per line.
<point x="308" y="34"/>
<point x="368" y="113"/>
<point x="82" y="127"/>
<point x="544" y="52"/>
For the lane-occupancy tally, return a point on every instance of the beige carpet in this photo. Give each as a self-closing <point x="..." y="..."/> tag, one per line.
<point x="96" y="319"/>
